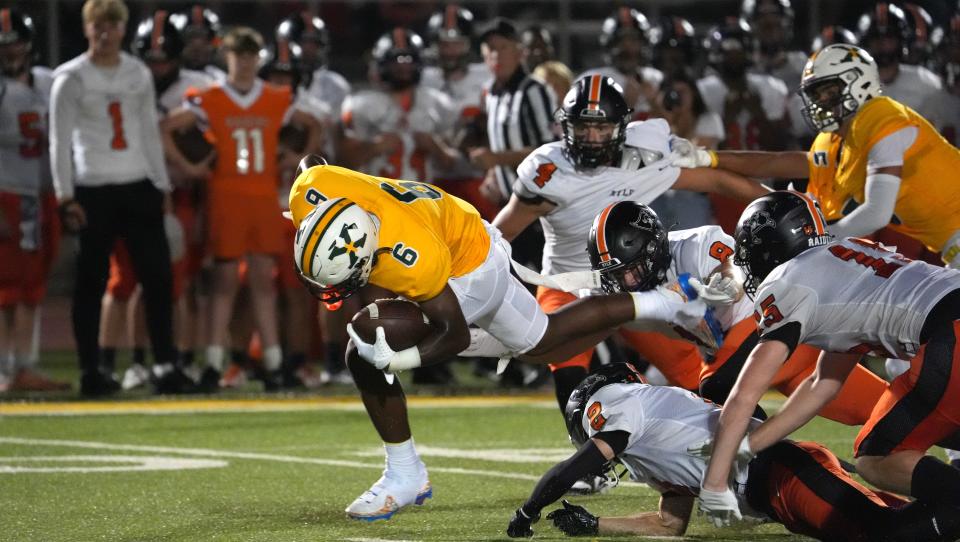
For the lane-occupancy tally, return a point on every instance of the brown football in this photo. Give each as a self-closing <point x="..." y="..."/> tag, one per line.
<point x="403" y="322"/>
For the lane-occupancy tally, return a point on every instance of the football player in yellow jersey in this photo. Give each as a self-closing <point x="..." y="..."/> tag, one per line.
<point x="383" y="238"/>
<point x="875" y="162"/>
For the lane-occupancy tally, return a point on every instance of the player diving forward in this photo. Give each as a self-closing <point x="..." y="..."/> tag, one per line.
<point x="849" y="298"/>
<point x="613" y="416"/>
<point x="388" y="238"/>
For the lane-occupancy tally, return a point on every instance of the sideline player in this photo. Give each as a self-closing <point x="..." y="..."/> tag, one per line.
<point x="564" y="184"/>
<point x="388" y="238"/>
<point x="632" y="251"/>
<point x="850" y="298"/>
<point x="613" y="416"/>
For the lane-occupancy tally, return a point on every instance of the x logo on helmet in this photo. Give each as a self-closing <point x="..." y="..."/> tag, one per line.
<point x="349" y="245"/>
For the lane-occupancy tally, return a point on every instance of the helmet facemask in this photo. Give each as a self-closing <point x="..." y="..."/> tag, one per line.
<point x="828" y="101"/>
<point x="15" y="58"/>
<point x="592" y="143"/>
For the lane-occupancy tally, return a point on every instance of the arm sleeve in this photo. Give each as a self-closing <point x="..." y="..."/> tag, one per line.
<point x="558" y="480"/>
<point x="880" y="199"/>
<point x="889" y="151"/>
<point x="152" y="147"/>
<point x="63" y="115"/>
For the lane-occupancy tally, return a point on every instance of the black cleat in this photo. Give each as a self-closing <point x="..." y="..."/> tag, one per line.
<point x="98" y="384"/>
<point x="209" y="381"/>
<point x="169" y="380"/>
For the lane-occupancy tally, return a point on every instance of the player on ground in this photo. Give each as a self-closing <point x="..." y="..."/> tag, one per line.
<point x="28" y="228"/>
<point x="244" y="115"/>
<point x="653" y="431"/>
<point x="634" y="252"/>
<point x="388" y="238"/>
<point x="566" y="183"/>
<point x="849" y="298"/>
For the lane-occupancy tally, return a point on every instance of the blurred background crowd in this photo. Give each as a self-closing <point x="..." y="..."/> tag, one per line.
<point x="414" y="90"/>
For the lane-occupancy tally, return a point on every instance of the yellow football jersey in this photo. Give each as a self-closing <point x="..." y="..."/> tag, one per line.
<point x="431" y="235"/>
<point x="928" y="204"/>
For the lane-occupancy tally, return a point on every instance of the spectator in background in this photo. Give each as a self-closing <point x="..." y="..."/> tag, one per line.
<point x="772" y="22"/>
<point x="675" y="47"/>
<point x="625" y="36"/>
<point x="111" y="181"/>
<point x="200" y="28"/>
<point x="556" y="74"/>
<point x="29" y="230"/>
<point x="537" y="47"/>
<point x="310" y="34"/>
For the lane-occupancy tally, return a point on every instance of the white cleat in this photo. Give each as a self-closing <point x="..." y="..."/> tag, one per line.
<point x="136" y="376"/>
<point x="388" y="495"/>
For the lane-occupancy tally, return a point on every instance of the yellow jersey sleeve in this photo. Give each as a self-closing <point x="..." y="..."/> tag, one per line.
<point x="879" y="118"/>
<point x="416" y="267"/>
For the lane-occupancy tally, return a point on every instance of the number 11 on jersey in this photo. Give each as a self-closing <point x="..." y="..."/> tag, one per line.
<point x="249" y="142"/>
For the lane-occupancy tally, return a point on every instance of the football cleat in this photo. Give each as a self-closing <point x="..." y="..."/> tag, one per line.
<point x="388" y="495"/>
<point x="136" y="376"/>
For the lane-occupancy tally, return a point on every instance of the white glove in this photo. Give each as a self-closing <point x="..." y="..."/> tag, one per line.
<point x="705" y="449"/>
<point x="719" y="291"/>
<point x="175" y="238"/>
<point x="684" y="154"/>
<point x="381" y="355"/>
<point x="720" y="507"/>
<point x="667" y="304"/>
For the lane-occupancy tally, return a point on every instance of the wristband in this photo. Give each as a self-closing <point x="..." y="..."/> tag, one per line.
<point x="714" y="159"/>
<point x="408" y="358"/>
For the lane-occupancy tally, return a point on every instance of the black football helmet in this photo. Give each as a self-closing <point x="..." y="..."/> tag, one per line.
<point x="613" y="373"/>
<point x="157" y="38"/>
<point x="398" y="55"/>
<point x="948" y="53"/>
<point x="628" y="245"/>
<point x="730" y="47"/>
<point x="16" y="29"/>
<point x="773" y="229"/>
<point x="630" y="25"/>
<point x="925" y="36"/>
<point x="310" y="34"/>
<point x="593" y="100"/>
<point x="833" y="34"/>
<point x="200" y="31"/>
<point x="283" y="58"/>
<point x="674" y="45"/>
<point x="453" y="23"/>
<point x="883" y="21"/>
<point x="537" y="45"/>
<point x="772" y="21"/>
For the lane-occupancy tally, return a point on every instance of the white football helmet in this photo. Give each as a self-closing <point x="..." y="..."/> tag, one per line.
<point x="334" y="249"/>
<point x="854" y="73"/>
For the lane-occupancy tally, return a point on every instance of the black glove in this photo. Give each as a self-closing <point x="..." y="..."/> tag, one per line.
<point x="574" y="520"/>
<point x="520" y="524"/>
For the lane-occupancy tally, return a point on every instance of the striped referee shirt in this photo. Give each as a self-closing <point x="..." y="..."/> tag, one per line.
<point x="519" y="115"/>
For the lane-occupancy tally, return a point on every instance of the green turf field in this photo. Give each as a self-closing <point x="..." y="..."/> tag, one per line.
<point x="251" y="467"/>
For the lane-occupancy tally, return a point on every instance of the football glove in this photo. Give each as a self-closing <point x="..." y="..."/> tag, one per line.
<point x="520" y="524"/>
<point x="574" y="520"/>
<point x="718" y="291"/>
<point x="720" y="507"/>
<point x="381" y="355"/>
<point x="684" y="154"/>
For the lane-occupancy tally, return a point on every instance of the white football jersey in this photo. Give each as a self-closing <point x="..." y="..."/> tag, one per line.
<point x="790" y="71"/>
<point x="23" y="132"/>
<point x="466" y="95"/>
<point x="172" y="97"/>
<point x="913" y="87"/>
<point x="330" y="88"/>
<point x="698" y="251"/>
<point x="649" y="74"/>
<point x="644" y="173"/>
<point x="107" y="117"/>
<point x="773" y="99"/>
<point x="942" y="109"/>
<point x="852" y="296"/>
<point x="370" y="113"/>
<point x="664" y="422"/>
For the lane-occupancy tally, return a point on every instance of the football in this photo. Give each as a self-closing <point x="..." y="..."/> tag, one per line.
<point x="403" y="322"/>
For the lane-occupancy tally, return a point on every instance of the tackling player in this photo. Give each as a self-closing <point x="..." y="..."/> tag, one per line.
<point x="564" y="184"/>
<point x="389" y="238"/>
<point x="849" y="298"/>
<point x="653" y="431"/>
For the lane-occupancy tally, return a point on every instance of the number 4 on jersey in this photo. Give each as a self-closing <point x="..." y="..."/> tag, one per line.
<point x="544" y="174"/>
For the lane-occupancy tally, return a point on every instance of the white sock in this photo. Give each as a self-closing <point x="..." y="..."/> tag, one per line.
<point x="272" y="357"/>
<point x="215" y="356"/>
<point x="402" y="458"/>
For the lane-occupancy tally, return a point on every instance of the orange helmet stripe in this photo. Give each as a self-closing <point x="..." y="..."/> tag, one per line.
<point x="812" y="208"/>
<point x="197" y="15"/>
<point x="400" y="38"/>
<point x="283" y="51"/>
<point x="6" y="25"/>
<point x="159" y="18"/>
<point x="450" y="17"/>
<point x="625" y="18"/>
<point x="602" y="233"/>
<point x="593" y="102"/>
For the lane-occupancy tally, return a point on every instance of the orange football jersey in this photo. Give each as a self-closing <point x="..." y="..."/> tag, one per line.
<point x="244" y="128"/>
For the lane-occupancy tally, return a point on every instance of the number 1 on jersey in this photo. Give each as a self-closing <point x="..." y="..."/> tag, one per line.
<point x="119" y="141"/>
<point x="249" y="142"/>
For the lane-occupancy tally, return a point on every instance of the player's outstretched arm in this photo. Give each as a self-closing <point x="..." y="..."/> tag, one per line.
<point x="721" y="182"/>
<point x="517" y="215"/>
<point x="777" y="165"/>
<point x="807" y="400"/>
<point x="761" y="366"/>
<point x="671" y="520"/>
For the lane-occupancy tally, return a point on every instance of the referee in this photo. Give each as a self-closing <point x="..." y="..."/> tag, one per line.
<point x="111" y="181"/>
<point x="519" y="108"/>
